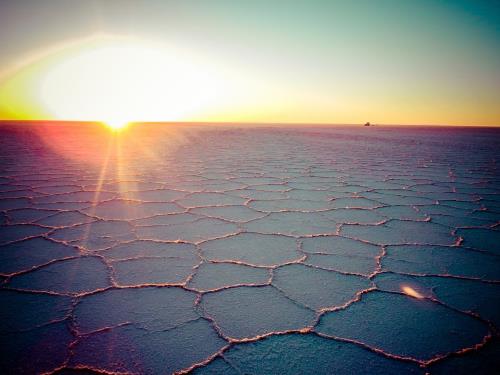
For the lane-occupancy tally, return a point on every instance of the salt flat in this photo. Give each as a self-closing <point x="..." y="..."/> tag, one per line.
<point x="256" y="250"/>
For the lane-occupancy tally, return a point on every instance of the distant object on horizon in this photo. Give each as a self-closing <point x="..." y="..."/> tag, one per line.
<point x="368" y="123"/>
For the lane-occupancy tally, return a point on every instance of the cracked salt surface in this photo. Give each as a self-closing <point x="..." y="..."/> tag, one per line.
<point x="220" y="250"/>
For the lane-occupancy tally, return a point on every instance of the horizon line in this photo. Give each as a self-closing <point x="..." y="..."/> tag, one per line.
<point x="257" y="123"/>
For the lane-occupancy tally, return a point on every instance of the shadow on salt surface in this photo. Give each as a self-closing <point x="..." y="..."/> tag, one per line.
<point x="49" y="345"/>
<point x="21" y="311"/>
<point x="474" y="363"/>
<point x="32" y="326"/>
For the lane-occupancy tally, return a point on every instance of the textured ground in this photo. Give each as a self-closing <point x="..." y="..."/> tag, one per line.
<point x="249" y="250"/>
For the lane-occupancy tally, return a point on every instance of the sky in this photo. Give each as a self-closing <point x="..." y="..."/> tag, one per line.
<point x="344" y="62"/>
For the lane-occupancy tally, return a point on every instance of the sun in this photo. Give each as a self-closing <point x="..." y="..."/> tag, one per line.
<point x="118" y="80"/>
<point x="116" y="124"/>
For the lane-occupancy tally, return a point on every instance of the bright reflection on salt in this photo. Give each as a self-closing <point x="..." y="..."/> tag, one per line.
<point x="409" y="291"/>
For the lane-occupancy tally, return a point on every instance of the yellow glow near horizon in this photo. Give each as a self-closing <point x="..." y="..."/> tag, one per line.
<point x="117" y="81"/>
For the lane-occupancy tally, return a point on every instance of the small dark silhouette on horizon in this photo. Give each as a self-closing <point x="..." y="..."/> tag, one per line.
<point x="368" y="123"/>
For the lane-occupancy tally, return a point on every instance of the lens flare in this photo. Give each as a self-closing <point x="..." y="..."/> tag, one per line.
<point x="409" y="291"/>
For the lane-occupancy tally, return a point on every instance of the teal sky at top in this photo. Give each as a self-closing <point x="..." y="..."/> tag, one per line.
<point x="394" y="47"/>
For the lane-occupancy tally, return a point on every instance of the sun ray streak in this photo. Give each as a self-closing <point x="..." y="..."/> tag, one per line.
<point x="102" y="175"/>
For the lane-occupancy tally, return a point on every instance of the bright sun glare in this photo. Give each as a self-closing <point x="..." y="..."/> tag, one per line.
<point x="116" y="125"/>
<point x="118" y="81"/>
